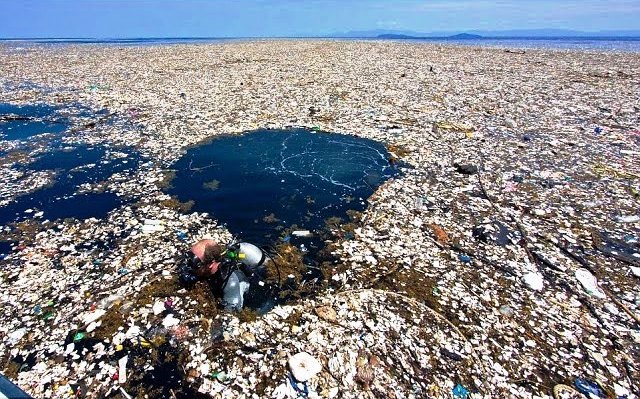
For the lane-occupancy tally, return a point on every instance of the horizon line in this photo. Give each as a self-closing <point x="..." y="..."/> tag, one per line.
<point x="343" y="35"/>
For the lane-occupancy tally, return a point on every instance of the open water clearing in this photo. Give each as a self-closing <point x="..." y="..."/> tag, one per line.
<point x="262" y="183"/>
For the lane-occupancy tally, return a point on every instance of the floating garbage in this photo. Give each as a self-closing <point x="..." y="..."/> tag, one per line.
<point x="628" y="219"/>
<point x="390" y="268"/>
<point x="122" y="369"/>
<point x="591" y="389"/>
<point x="152" y="226"/>
<point x="459" y="391"/>
<point x="15" y="336"/>
<point x="170" y="321"/>
<point x="589" y="283"/>
<point x="535" y="281"/>
<point x="303" y="366"/>
<point x="301" y="233"/>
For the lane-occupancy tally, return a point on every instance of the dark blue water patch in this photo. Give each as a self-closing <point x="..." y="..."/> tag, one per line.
<point x="83" y="206"/>
<point x="74" y="166"/>
<point x="21" y="130"/>
<point x="261" y="182"/>
<point x="20" y="122"/>
<point x="68" y="158"/>
<point x="5" y="248"/>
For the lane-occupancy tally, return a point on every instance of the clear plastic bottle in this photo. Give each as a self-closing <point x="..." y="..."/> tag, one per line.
<point x="234" y="290"/>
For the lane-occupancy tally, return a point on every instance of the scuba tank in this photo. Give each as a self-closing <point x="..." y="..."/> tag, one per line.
<point x="243" y="260"/>
<point x="249" y="255"/>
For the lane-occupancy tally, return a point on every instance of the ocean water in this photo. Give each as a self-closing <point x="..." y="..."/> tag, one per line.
<point x="262" y="182"/>
<point x="626" y="44"/>
<point x="19" y="122"/>
<point x="265" y="184"/>
<point x="73" y="165"/>
<point x="5" y="248"/>
<point x="630" y="44"/>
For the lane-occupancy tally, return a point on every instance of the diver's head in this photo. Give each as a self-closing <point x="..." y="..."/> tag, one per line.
<point x="205" y="257"/>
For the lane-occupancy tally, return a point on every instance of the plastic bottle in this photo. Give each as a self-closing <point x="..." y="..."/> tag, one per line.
<point x="234" y="290"/>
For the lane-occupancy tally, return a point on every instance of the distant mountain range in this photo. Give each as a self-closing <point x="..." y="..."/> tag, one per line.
<point x="459" y="36"/>
<point x="476" y="34"/>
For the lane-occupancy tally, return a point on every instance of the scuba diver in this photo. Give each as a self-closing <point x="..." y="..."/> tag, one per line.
<point x="229" y="269"/>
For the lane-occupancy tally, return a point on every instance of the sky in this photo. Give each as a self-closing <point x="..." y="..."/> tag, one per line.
<point x="271" y="18"/>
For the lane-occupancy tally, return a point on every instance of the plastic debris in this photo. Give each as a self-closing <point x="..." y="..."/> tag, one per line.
<point x="628" y="219"/>
<point x="152" y="226"/>
<point x="15" y="336"/>
<point x="301" y="233"/>
<point x="460" y="391"/>
<point x="158" y="307"/>
<point x="122" y="369"/>
<point x="589" y="283"/>
<point x="92" y="316"/>
<point x="170" y="321"/>
<point x="303" y="366"/>
<point x="591" y="389"/>
<point x="535" y="281"/>
<point x="506" y="310"/>
<point x="181" y="235"/>
<point x="562" y="391"/>
<point x="222" y="377"/>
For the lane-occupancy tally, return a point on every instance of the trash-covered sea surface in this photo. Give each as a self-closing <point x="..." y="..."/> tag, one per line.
<point x="276" y="188"/>
<point x="501" y="260"/>
<point x="57" y="169"/>
<point x="70" y="168"/>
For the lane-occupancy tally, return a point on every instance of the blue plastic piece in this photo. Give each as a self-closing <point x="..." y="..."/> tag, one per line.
<point x="302" y="392"/>
<point x="10" y="390"/>
<point x="464" y="258"/>
<point x="589" y="388"/>
<point x="460" y="392"/>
